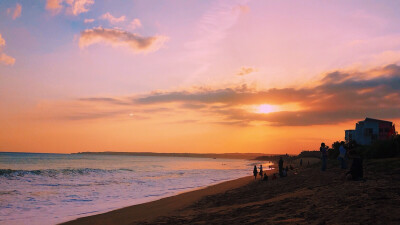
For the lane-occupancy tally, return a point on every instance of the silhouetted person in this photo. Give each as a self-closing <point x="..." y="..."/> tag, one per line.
<point x="265" y="177"/>
<point x="342" y="156"/>
<point x="284" y="173"/>
<point x="308" y="163"/>
<point x="301" y="162"/>
<point x="280" y="164"/>
<point x="291" y="167"/>
<point x="356" y="169"/>
<point x="261" y="172"/>
<point x="287" y="168"/>
<point x="255" y="172"/>
<point x="324" y="155"/>
<point x="274" y="177"/>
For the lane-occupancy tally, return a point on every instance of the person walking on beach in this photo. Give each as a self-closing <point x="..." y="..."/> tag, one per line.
<point x="342" y="156"/>
<point x="255" y="172"/>
<point x="280" y="164"/>
<point x="324" y="155"/>
<point x="261" y="172"/>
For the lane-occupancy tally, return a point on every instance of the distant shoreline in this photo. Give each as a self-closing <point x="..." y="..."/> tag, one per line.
<point x="193" y="155"/>
<point x="248" y="156"/>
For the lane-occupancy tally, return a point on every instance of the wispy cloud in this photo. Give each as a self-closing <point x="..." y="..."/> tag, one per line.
<point x="117" y="37"/>
<point x="212" y="29"/>
<point x="88" y="21"/>
<point x="77" y="7"/>
<point x="215" y="23"/>
<point x="245" y="70"/>
<point x="54" y="6"/>
<point x="111" y="19"/>
<point x="135" y="24"/>
<point x="4" y="58"/>
<point x="15" y="12"/>
<point x="73" y="7"/>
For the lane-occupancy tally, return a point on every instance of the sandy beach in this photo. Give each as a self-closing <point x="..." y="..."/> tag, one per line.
<point x="148" y="212"/>
<point x="306" y="196"/>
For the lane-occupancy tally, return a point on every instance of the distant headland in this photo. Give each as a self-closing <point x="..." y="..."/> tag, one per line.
<point x="195" y="155"/>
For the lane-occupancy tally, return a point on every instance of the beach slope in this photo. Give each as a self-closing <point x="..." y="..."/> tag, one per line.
<point x="306" y="196"/>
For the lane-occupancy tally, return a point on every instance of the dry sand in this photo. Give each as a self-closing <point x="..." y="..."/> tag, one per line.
<point x="306" y="196"/>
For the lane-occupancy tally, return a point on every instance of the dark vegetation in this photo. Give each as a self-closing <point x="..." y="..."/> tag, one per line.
<point x="377" y="150"/>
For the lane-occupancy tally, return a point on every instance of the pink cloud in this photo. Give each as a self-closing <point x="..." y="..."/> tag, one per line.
<point x="4" y="58"/>
<point x="246" y="70"/>
<point x="117" y="37"/>
<point x="74" y="7"/>
<point x="88" y="21"/>
<point x="77" y="7"/>
<point x="54" y="6"/>
<point x="135" y="23"/>
<point x="16" y="12"/>
<point x="110" y="18"/>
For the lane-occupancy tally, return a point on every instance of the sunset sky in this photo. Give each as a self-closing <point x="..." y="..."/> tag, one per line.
<point x="194" y="76"/>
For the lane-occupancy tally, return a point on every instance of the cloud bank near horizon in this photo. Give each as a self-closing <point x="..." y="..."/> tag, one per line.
<point x="339" y="96"/>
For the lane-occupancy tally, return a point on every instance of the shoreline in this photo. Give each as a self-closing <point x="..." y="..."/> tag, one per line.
<point x="151" y="210"/>
<point x="306" y="196"/>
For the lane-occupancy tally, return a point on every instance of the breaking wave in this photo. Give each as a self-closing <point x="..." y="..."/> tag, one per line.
<point x="56" y="172"/>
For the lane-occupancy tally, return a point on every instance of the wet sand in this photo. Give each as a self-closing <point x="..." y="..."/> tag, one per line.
<point x="149" y="211"/>
<point x="306" y="196"/>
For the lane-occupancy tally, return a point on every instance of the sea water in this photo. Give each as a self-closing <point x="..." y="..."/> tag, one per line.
<point x="52" y="188"/>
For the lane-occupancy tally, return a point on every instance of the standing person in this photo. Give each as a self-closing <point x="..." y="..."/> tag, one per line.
<point x="255" y="172"/>
<point x="280" y="166"/>
<point x="301" y="162"/>
<point x="261" y="172"/>
<point x="323" y="156"/>
<point x="342" y="156"/>
<point x="284" y="173"/>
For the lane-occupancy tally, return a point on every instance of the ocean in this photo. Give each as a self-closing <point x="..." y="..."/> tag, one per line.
<point x="38" y="188"/>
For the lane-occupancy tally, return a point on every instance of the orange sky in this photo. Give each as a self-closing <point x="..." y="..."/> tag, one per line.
<point x="211" y="77"/>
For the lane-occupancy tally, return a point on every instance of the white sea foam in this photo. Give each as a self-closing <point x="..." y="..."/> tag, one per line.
<point x="53" y="188"/>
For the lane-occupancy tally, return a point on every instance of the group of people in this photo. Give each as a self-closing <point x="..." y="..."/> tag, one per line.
<point x="356" y="169"/>
<point x="345" y="152"/>
<point x="263" y="175"/>
<point x="283" y="172"/>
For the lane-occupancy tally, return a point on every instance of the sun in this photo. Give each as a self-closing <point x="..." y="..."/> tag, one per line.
<point x="265" y="108"/>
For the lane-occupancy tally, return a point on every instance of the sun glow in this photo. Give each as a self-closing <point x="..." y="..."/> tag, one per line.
<point x="265" y="108"/>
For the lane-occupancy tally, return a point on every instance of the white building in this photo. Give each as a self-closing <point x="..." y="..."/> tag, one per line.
<point x="370" y="130"/>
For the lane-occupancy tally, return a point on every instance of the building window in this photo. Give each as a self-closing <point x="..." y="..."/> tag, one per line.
<point x="368" y="132"/>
